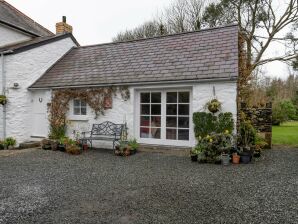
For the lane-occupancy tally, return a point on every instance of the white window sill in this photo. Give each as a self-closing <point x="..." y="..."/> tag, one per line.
<point x="78" y="118"/>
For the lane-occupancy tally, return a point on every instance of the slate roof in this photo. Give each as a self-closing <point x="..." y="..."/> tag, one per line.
<point x="10" y="16"/>
<point x="206" y="54"/>
<point x="35" y="42"/>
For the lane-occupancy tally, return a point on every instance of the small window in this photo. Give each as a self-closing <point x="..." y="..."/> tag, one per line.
<point x="79" y="107"/>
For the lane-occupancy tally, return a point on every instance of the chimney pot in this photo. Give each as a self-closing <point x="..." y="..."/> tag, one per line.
<point x="64" y="19"/>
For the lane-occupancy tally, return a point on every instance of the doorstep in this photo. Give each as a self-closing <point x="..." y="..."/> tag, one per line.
<point x="165" y="149"/>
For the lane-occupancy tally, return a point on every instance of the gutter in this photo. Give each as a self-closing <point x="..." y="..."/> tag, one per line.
<point x="139" y="83"/>
<point x="3" y="75"/>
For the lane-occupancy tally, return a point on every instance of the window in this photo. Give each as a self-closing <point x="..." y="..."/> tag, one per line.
<point x="79" y="107"/>
<point x="165" y="115"/>
<point x="150" y="115"/>
<point x="177" y="116"/>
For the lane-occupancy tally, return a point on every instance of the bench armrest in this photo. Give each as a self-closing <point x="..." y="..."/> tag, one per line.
<point x="85" y="132"/>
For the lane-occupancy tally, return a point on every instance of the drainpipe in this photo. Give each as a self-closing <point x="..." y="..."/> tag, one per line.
<point x="2" y="73"/>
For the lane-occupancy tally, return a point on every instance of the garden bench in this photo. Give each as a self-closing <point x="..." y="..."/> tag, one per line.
<point x="107" y="131"/>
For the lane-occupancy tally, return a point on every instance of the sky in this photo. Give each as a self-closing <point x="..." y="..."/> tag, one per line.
<point x="98" y="21"/>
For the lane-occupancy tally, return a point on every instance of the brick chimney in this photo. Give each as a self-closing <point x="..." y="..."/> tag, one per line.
<point x="63" y="27"/>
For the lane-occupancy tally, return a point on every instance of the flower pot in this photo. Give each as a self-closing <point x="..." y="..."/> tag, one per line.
<point x="236" y="159"/>
<point x="194" y="158"/>
<point x="85" y="147"/>
<point x="245" y="157"/>
<point x="126" y="152"/>
<point x="225" y="159"/>
<point x="61" y="147"/>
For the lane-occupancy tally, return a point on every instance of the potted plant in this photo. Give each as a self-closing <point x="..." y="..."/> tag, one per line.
<point x="213" y="106"/>
<point x="10" y="142"/>
<point x="72" y="147"/>
<point x="247" y="140"/>
<point x="134" y="145"/>
<point x="122" y="149"/>
<point x="194" y="155"/>
<point x="3" y="99"/>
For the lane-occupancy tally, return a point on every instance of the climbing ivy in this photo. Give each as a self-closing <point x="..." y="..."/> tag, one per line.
<point x="94" y="97"/>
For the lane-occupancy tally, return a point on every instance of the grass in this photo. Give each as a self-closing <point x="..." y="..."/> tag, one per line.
<point x="286" y="134"/>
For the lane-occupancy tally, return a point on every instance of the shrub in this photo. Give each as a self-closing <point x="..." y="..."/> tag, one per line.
<point x="247" y="134"/>
<point x="283" y="111"/>
<point x="206" y="123"/>
<point x="10" y="141"/>
<point x="213" y="145"/>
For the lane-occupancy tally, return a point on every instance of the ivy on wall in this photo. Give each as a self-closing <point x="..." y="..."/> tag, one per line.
<point x="94" y="97"/>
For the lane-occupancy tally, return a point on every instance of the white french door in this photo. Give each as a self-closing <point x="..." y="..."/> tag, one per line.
<point x="164" y="117"/>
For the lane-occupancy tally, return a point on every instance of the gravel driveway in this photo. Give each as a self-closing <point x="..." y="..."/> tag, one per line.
<point x="97" y="187"/>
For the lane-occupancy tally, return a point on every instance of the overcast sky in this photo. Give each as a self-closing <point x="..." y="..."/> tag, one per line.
<point x="98" y="21"/>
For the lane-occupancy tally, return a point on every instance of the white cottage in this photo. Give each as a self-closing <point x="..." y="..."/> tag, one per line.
<point x="168" y="78"/>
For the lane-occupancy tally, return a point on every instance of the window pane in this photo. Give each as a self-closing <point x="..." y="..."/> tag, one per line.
<point x="145" y="97"/>
<point x="183" y="122"/>
<point x="83" y="111"/>
<point x="172" y="122"/>
<point x="172" y="109"/>
<point x="144" y="132"/>
<point x="145" y="121"/>
<point x="145" y="109"/>
<point x="83" y="103"/>
<point x="184" y="97"/>
<point x="183" y="109"/>
<point x="183" y="134"/>
<point x="155" y="97"/>
<point x="172" y="97"/>
<point x="76" y="111"/>
<point x="155" y="133"/>
<point x="172" y="134"/>
<point x="76" y="103"/>
<point x="155" y="121"/>
<point x="156" y="109"/>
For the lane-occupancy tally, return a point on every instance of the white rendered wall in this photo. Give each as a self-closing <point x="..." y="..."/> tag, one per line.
<point x="25" y="68"/>
<point x="10" y="36"/>
<point x="122" y="110"/>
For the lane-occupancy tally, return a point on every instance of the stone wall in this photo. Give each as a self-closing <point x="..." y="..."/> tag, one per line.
<point x="261" y="119"/>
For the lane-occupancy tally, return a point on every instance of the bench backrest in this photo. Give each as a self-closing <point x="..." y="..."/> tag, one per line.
<point x="107" y="128"/>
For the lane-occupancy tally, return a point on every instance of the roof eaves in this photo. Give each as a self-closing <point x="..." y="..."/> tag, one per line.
<point x="43" y="42"/>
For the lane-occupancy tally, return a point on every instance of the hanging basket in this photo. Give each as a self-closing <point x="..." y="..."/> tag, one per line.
<point x="3" y="100"/>
<point x="214" y="106"/>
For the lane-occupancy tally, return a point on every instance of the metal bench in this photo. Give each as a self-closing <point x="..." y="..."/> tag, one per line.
<point x="107" y="131"/>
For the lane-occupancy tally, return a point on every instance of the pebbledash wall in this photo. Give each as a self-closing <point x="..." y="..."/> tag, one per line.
<point x="25" y="68"/>
<point x="226" y="92"/>
<point x="11" y="36"/>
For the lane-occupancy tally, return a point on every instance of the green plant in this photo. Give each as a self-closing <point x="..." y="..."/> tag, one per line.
<point x="213" y="105"/>
<point x="260" y="142"/>
<point x="57" y="132"/>
<point x="10" y="141"/>
<point x="123" y="145"/>
<point x="247" y="134"/>
<point x="213" y="145"/>
<point x="206" y="123"/>
<point x="134" y="145"/>
<point x="283" y="111"/>
<point x="3" y="99"/>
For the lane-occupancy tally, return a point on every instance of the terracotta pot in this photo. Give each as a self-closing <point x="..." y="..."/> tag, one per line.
<point x="236" y="159"/>
<point x="127" y="152"/>
<point x="85" y="147"/>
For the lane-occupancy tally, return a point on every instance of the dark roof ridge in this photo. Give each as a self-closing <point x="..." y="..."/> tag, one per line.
<point x="159" y="37"/>
<point x="26" y="17"/>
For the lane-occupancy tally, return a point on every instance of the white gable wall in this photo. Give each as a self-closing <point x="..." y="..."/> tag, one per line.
<point x="10" y="36"/>
<point x="25" y="68"/>
<point x="122" y="110"/>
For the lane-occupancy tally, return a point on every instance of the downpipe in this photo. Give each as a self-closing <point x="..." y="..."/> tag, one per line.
<point x="3" y="75"/>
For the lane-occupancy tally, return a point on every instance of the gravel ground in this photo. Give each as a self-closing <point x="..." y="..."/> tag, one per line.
<point x="97" y="187"/>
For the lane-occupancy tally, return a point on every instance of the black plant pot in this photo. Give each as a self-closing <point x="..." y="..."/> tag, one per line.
<point x="47" y="147"/>
<point x="245" y="157"/>
<point x="257" y="154"/>
<point x="194" y="158"/>
<point x="61" y="147"/>
<point x="132" y="152"/>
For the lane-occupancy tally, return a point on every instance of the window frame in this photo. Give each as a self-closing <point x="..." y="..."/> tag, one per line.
<point x="163" y="140"/>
